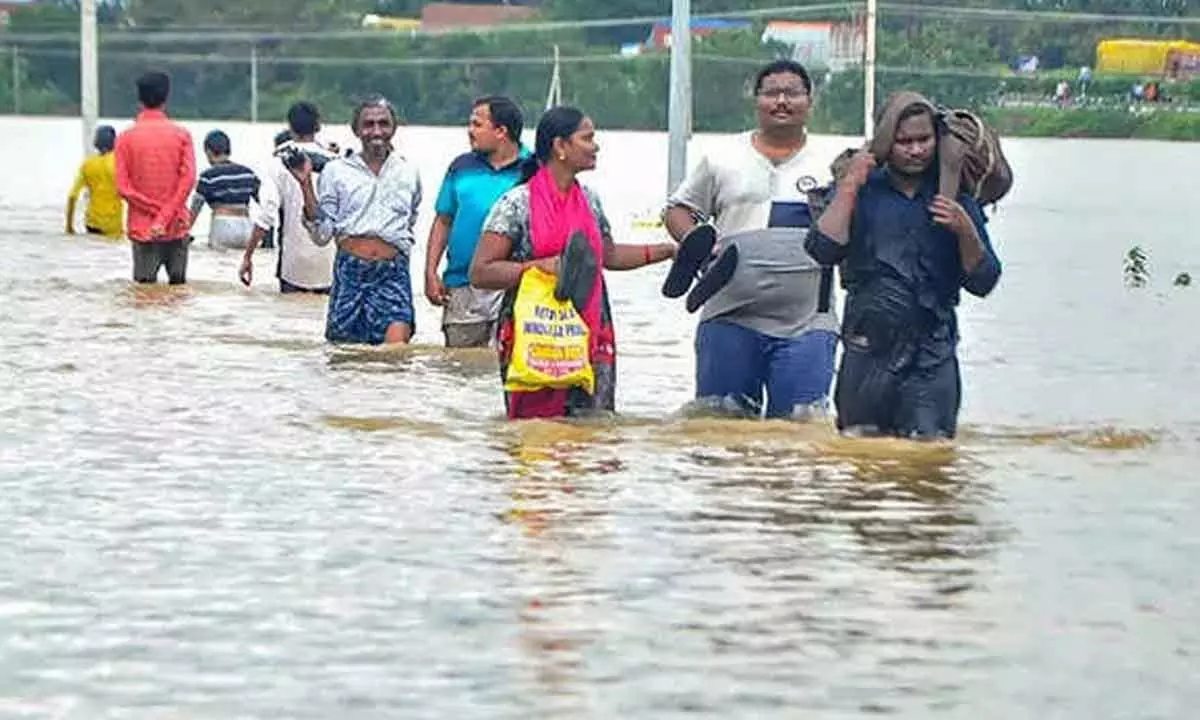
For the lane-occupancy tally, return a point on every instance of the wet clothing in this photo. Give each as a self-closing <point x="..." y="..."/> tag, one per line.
<point x="286" y="287"/>
<point x="735" y="362"/>
<point x="105" y="213"/>
<point x="779" y="292"/>
<point x="475" y="335"/>
<point x="874" y="396"/>
<point x="511" y="217"/>
<point x="902" y="274"/>
<point x="368" y="296"/>
<point x="148" y="257"/>
<point x="227" y="232"/>
<point x="469" y="317"/>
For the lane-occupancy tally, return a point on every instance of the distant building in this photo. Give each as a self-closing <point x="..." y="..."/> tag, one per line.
<point x="385" y="22"/>
<point x="449" y="15"/>
<point x="660" y="32"/>
<point x="820" y="45"/>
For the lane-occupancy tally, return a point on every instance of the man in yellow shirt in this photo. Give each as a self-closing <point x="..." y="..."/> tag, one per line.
<point x="105" y="212"/>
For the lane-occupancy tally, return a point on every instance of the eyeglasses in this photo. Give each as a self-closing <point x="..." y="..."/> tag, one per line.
<point x="787" y="93"/>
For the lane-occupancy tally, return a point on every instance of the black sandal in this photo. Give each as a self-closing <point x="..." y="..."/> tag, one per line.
<point x="695" y="249"/>
<point x="577" y="271"/>
<point x="715" y="277"/>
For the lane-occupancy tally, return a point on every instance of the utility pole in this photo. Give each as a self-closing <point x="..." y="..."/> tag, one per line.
<point x="679" y="116"/>
<point x="88" y="72"/>
<point x="253" y="82"/>
<point x="869" y="73"/>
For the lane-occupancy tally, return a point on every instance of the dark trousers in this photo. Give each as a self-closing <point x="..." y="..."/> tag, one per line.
<point x="148" y="257"/>
<point x="912" y="402"/>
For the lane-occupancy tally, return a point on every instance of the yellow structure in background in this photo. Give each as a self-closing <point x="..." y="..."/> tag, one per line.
<point x="383" y="22"/>
<point x="1140" y="57"/>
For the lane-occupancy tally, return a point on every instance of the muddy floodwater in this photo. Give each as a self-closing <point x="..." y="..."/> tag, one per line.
<point x="208" y="512"/>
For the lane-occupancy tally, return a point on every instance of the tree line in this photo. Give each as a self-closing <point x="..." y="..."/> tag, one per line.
<point x="432" y="79"/>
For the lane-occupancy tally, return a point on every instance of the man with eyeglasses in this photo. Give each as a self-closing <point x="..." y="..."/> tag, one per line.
<point x="767" y="325"/>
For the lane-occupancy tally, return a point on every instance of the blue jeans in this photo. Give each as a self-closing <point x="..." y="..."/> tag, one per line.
<point x="735" y="363"/>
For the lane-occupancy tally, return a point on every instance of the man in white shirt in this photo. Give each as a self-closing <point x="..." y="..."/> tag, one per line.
<point x="770" y="329"/>
<point x="302" y="265"/>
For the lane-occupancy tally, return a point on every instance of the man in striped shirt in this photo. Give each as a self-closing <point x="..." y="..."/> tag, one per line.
<point x="227" y="187"/>
<point x="156" y="169"/>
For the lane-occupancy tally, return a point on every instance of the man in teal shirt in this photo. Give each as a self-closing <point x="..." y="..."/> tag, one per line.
<point x="473" y="182"/>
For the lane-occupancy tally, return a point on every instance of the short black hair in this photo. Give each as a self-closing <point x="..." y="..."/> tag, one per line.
<point x="779" y="67"/>
<point x="153" y="88"/>
<point x="303" y="118"/>
<point x="217" y="143"/>
<point x="505" y="114"/>
<point x="105" y="139"/>
<point x="374" y="100"/>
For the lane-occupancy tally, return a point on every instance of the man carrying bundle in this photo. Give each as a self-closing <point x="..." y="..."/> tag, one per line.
<point x="905" y="246"/>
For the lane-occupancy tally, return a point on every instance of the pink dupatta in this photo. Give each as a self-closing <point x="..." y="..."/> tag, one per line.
<point x="553" y="217"/>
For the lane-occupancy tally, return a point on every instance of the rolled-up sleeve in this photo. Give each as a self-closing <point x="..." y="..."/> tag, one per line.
<point x="697" y="192"/>
<point x="327" y="206"/>
<point x="983" y="278"/>
<point x="825" y="249"/>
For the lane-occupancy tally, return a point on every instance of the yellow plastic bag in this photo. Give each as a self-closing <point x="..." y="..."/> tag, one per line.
<point x="550" y="340"/>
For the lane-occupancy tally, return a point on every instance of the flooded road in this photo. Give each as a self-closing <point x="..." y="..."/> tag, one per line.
<point x="210" y="513"/>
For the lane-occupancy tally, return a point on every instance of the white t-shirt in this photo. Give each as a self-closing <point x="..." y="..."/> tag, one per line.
<point x="762" y="208"/>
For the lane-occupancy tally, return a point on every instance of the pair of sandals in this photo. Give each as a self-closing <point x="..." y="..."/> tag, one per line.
<point x="578" y="269"/>
<point x="694" y="271"/>
<point x="694" y="263"/>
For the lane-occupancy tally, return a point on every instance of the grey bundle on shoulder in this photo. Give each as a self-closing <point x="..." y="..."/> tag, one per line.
<point x="970" y="157"/>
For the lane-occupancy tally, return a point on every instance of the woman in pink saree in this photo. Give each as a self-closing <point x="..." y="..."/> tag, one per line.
<point x="552" y="222"/>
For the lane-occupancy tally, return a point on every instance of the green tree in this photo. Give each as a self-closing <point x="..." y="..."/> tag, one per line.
<point x="149" y="14"/>
<point x="434" y="78"/>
